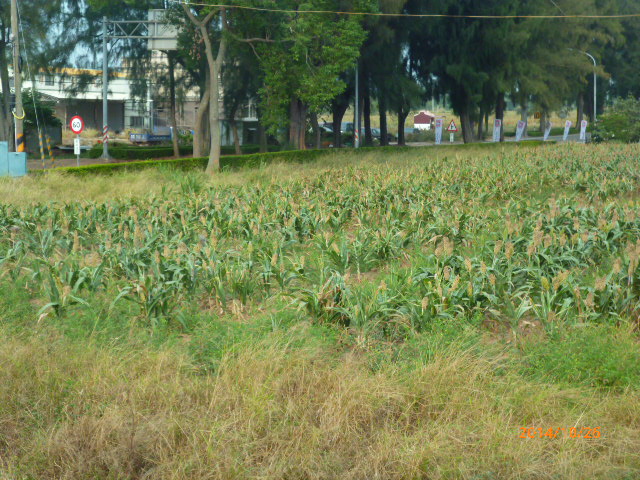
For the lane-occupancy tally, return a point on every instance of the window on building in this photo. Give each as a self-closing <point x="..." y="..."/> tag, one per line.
<point x="47" y="79"/>
<point x="136" y="121"/>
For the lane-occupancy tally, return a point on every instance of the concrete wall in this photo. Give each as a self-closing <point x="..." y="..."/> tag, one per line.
<point x="33" y="143"/>
<point x="91" y="113"/>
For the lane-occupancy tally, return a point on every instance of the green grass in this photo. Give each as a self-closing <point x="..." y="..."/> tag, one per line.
<point x="387" y="313"/>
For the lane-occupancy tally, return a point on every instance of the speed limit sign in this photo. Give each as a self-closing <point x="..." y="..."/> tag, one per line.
<point x="77" y="125"/>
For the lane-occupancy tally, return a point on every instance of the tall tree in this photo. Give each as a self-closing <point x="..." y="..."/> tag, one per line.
<point x="241" y="81"/>
<point x="203" y="20"/>
<point x="50" y="29"/>
<point x="303" y="66"/>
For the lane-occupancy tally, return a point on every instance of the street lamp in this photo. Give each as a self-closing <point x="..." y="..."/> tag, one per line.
<point x="595" y="84"/>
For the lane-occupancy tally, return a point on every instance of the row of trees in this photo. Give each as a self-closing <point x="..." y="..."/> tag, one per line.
<point x="301" y="65"/>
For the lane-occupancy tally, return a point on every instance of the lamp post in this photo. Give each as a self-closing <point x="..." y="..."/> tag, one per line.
<point x="595" y="84"/>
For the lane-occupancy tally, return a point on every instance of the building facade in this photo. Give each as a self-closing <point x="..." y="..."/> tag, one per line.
<point x="79" y="92"/>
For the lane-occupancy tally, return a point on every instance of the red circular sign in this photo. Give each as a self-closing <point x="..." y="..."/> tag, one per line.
<point x="77" y="125"/>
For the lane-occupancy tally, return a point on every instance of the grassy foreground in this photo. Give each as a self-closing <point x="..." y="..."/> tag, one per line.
<point x="386" y="316"/>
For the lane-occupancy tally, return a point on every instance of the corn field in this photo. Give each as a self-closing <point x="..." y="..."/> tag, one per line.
<point x="549" y="234"/>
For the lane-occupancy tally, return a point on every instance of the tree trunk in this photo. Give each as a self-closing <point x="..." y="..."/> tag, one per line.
<point x="384" y="134"/>
<point x="580" y="108"/>
<point x="480" y="125"/>
<point x="214" y="65"/>
<point x="297" y="124"/>
<point x="6" y="122"/>
<point x="302" y="141"/>
<point x="262" y="132"/>
<point x="199" y="127"/>
<point x="402" y="117"/>
<point x="524" y="116"/>
<point x="214" y="105"/>
<point x="368" y="137"/>
<point x="543" y="121"/>
<point x="236" y="136"/>
<point x="467" y="127"/>
<point x="338" y="111"/>
<point x="500" y="107"/>
<point x="294" y="123"/>
<point x="172" y="101"/>
<point x="316" y="130"/>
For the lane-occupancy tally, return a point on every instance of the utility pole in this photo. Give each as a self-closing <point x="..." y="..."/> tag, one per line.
<point x="595" y="83"/>
<point x="17" y="78"/>
<point x="356" y="114"/>
<point x="105" y="91"/>
<point x="595" y="87"/>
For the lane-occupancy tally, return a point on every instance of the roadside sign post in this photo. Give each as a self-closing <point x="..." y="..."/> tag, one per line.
<point x="76" y="149"/>
<point x="547" y="130"/>
<point x="439" y="125"/>
<point x="520" y="130"/>
<point x="452" y="129"/>
<point x="567" y="127"/>
<point x="77" y="126"/>
<point x="497" y="128"/>
<point x="583" y="131"/>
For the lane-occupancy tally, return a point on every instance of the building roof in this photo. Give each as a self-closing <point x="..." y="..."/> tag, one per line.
<point x="423" y="117"/>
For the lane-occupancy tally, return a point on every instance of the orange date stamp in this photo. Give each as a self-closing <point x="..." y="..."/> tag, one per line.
<point x="572" y="432"/>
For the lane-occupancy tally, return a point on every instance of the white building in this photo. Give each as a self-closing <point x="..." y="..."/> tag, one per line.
<point x="79" y="92"/>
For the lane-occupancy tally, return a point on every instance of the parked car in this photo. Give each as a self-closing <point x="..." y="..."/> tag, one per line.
<point x="376" y="133"/>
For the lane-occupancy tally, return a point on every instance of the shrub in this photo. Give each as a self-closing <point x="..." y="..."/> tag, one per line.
<point x="597" y="356"/>
<point x="620" y="123"/>
<point x="422" y="136"/>
<point x="233" y="162"/>
<point x="121" y="151"/>
<point x="229" y="162"/>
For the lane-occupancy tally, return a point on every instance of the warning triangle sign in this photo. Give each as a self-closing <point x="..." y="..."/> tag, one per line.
<point x="452" y="127"/>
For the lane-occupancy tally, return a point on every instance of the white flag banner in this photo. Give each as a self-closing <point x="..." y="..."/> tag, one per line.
<point x="497" y="128"/>
<point x="547" y="130"/>
<point x="567" y="127"/>
<point x="439" y="125"/>
<point x="520" y="130"/>
<point x="583" y="130"/>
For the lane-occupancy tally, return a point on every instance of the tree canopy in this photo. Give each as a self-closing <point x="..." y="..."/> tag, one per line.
<point x="298" y="65"/>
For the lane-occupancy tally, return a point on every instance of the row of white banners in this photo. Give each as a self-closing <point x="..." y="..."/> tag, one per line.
<point x="497" y="129"/>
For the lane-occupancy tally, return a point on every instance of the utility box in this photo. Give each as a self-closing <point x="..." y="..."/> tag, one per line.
<point x="12" y="164"/>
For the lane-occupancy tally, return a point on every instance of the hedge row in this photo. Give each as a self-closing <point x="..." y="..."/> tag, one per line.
<point x="234" y="162"/>
<point x="229" y="162"/>
<point x="131" y="152"/>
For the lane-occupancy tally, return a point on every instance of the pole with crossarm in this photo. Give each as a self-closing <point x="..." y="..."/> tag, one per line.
<point x="121" y="29"/>
<point x="105" y="91"/>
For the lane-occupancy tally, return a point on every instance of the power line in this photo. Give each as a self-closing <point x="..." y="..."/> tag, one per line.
<point x="34" y="93"/>
<point x="557" y="6"/>
<point x="399" y="15"/>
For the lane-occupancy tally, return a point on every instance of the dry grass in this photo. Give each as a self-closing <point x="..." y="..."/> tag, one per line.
<point x="71" y="411"/>
<point x="65" y="188"/>
<point x="57" y="187"/>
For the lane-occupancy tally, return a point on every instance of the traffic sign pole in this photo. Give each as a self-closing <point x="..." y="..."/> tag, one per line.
<point x="76" y="148"/>
<point x="452" y="130"/>
<point x="77" y="126"/>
